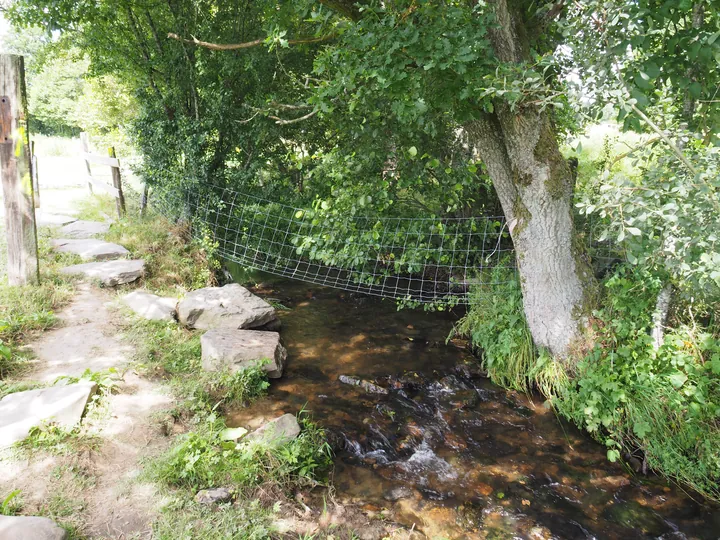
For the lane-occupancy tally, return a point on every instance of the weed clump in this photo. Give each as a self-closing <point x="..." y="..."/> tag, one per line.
<point x="660" y="404"/>
<point x="202" y="459"/>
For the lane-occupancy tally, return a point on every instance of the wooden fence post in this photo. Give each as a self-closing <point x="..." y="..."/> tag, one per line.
<point x="86" y="150"/>
<point x="144" y="200"/>
<point x="22" y="260"/>
<point x="35" y="175"/>
<point x="117" y="183"/>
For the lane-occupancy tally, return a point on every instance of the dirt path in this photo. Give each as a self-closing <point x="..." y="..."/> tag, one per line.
<point x="102" y="487"/>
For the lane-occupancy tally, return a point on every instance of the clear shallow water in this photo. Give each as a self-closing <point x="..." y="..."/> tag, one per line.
<point x="417" y="431"/>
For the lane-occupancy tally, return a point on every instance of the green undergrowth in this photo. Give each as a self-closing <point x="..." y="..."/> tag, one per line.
<point x="203" y="458"/>
<point x="174" y="262"/>
<point x="662" y="405"/>
<point x="184" y="519"/>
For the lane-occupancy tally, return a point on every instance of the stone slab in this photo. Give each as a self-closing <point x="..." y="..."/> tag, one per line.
<point x="84" y="229"/>
<point x="276" y="432"/>
<point x="22" y="411"/>
<point x="90" y="249"/>
<point x="231" y="306"/>
<point x="241" y="349"/>
<point x="151" y="306"/>
<point x="109" y="273"/>
<point x="30" y="528"/>
<point x="45" y="219"/>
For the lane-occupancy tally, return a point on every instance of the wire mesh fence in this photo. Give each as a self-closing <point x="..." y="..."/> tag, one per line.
<point x="420" y="259"/>
<point x="414" y="259"/>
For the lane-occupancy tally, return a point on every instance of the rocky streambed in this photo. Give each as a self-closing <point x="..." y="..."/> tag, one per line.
<point x="423" y="438"/>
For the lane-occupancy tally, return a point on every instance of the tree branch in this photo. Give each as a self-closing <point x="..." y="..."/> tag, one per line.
<point x="247" y="44"/>
<point x="284" y="122"/>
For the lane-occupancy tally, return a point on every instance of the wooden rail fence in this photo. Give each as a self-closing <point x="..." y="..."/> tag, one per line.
<point x="111" y="161"/>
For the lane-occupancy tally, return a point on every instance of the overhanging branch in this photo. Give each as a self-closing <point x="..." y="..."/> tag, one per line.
<point x="247" y="44"/>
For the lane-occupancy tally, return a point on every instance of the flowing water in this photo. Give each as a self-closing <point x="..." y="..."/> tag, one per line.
<point x="417" y="429"/>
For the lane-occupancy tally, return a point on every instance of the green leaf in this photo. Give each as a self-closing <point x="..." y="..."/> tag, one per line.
<point x="412" y="151"/>
<point x="677" y="379"/>
<point x="641" y="428"/>
<point x="233" y="434"/>
<point x="715" y="364"/>
<point x="695" y="90"/>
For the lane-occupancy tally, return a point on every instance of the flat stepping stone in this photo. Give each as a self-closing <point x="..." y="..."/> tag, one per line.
<point x="109" y="273"/>
<point x="231" y="306"/>
<point x="22" y="411"/>
<point x="242" y="349"/>
<point x="43" y="219"/>
<point x="276" y="432"/>
<point x="84" y="229"/>
<point x="151" y="306"/>
<point x="30" y="528"/>
<point x="91" y="249"/>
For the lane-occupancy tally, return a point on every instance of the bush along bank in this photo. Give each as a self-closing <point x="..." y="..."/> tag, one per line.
<point x="655" y="405"/>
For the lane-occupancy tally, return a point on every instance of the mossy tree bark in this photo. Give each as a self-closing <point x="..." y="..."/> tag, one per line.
<point x="535" y="186"/>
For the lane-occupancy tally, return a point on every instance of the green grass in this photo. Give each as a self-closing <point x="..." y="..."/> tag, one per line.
<point x="27" y="310"/>
<point x="496" y="326"/>
<point x="184" y="519"/>
<point x="202" y="459"/>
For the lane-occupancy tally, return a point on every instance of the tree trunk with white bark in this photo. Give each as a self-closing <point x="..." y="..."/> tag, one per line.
<point x="535" y="186"/>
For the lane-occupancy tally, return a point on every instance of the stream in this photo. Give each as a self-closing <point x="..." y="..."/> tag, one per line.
<point x="417" y="429"/>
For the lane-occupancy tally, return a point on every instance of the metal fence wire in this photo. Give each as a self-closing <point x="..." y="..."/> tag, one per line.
<point x="418" y="259"/>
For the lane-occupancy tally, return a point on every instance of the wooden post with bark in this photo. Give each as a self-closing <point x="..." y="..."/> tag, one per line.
<point x="117" y="184"/>
<point x="144" y="200"/>
<point x="15" y="168"/>
<point x="35" y="175"/>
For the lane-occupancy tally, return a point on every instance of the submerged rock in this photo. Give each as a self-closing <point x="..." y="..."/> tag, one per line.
<point x="22" y="411"/>
<point x="90" y="249"/>
<point x="400" y="492"/>
<point x="150" y="306"/>
<point x="241" y="349"/>
<point x="365" y="385"/>
<point x="276" y="432"/>
<point x="109" y="273"/>
<point x="30" y="528"/>
<point x="231" y="306"/>
<point x="213" y="496"/>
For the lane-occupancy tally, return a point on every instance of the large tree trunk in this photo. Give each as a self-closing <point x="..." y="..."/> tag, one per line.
<point x="535" y="187"/>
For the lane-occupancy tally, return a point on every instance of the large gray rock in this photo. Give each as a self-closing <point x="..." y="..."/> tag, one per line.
<point x="91" y="249"/>
<point x="231" y="306"/>
<point x="214" y="496"/>
<point x="276" y="432"/>
<point x="30" y="528"/>
<point x="109" y="273"/>
<point x="84" y="229"/>
<point x="151" y="306"/>
<point x="241" y="349"/>
<point x="22" y="411"/>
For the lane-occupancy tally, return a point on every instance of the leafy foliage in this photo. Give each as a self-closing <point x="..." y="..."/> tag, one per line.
<point x="202" y="458"/>
<point x="665" y="401"/>
<point x="496" y="326"/>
